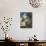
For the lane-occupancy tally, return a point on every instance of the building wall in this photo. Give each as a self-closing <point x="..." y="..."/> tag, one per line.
<point x="12" y="8"/>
